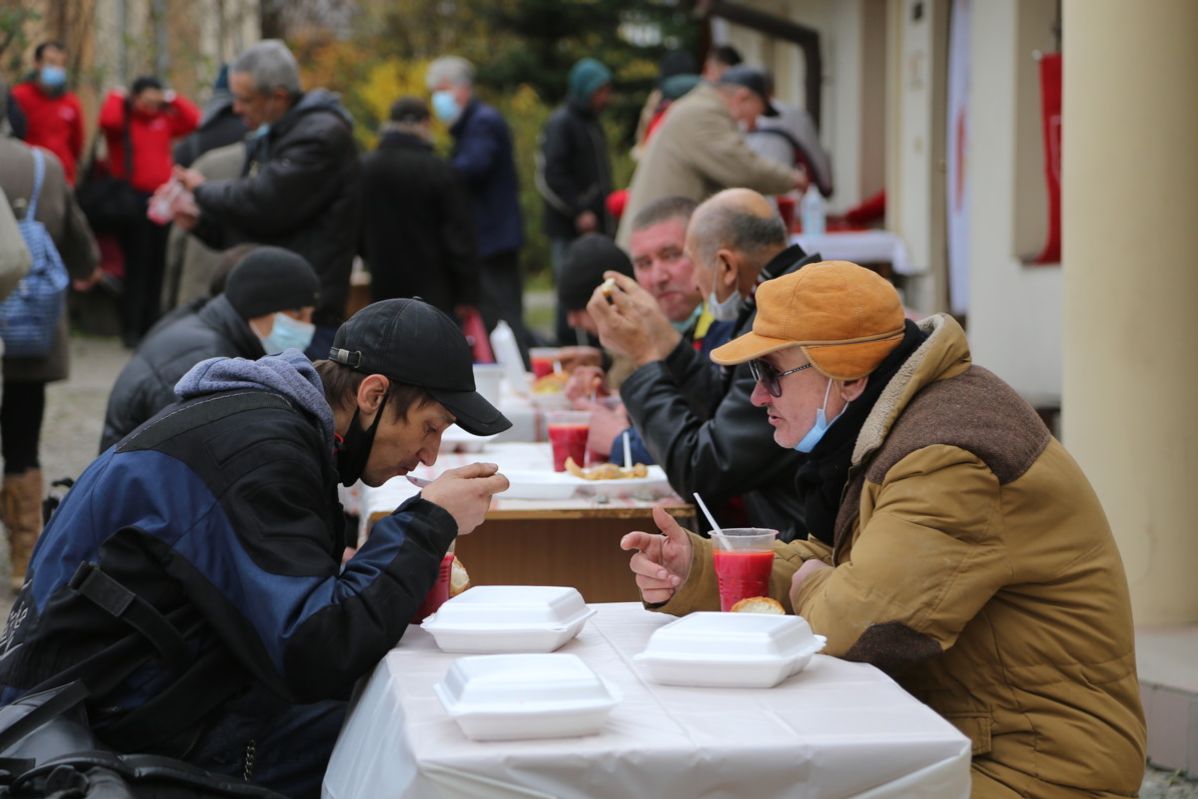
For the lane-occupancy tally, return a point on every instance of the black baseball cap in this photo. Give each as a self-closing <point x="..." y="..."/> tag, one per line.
<point x="411" y="342"/>
<point x="752" y="79"/>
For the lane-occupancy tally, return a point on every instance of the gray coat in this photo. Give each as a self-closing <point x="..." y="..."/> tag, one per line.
<point x="190" y="263"/>
<point x="695" y="152"/>
<point x="58" y="211"/>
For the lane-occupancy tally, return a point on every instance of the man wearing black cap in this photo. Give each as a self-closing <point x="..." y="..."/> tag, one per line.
<point x="266" y="308"/>
<point x="417" y="227"/>
<point x="192" y="578"/>
<point x="699" y="149"/>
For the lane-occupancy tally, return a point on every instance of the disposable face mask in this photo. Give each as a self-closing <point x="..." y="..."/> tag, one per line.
<point x="53" y="77"/>
<point x="724" y="310"/>
<point x="821" y="424"/>
<point x="686" y="323"/>
<point x="288" y="333"/>
<point x="445" y="106"/>
<point x="353" y="451"/>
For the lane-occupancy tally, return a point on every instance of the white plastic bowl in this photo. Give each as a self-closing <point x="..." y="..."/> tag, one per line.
<point x="509" y="618"/>
<point x="729" y="650"/>
<point x="512" y="697"/>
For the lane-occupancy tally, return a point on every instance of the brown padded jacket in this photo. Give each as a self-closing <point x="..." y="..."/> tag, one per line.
<point x="974" y="564"/>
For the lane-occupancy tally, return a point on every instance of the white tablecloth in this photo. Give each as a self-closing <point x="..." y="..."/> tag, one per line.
<point x="861" y="247"/>
<point x="837" y="729"/>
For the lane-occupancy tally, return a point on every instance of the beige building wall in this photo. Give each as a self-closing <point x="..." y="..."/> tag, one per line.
<point x="1130" y="239"/>
<point x="915" y="129"/>
<point x="1014" y="320"/>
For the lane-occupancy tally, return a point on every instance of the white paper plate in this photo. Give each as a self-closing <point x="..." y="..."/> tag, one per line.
<point x="509" y="618"/>
<point x="548" y="484"/>
<point x="512" y="697"/>
<point x="741" y="650"/>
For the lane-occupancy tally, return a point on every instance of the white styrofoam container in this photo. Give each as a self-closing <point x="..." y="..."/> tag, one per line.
<point x="729" y="650"/>
<point x="547" y="484"/>
<point x="509" y="618"/>
<point x="512" y="697"/>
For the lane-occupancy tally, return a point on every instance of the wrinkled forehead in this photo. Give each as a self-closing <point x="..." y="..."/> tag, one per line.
<point x="650" y="239"/>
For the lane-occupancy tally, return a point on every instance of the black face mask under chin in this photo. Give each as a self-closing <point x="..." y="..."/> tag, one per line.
<point x="354" y="450"/>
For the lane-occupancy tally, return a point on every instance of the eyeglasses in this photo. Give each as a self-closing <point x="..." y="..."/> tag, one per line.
<point x="770" y="377"/>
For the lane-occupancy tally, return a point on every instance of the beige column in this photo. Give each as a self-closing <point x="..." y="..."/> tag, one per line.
<point x="1130" y="237"/>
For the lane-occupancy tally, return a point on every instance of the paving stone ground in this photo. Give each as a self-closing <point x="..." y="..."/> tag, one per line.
<point x="71" y="434"/>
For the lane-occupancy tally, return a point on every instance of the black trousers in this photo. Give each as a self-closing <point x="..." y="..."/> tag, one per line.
<point x="501" y="296"/>
<point x="144" y="246"/>
<point x="21" y="413"/>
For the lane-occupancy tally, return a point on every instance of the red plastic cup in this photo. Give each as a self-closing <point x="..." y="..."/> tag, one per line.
<point x="743" y="559"/>
<point x="568" y="432"/>
<point x="438" y="595"/>
<point x="542" y="360"/>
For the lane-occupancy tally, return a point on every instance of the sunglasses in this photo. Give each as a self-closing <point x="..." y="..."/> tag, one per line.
<point x="770" y="377"/>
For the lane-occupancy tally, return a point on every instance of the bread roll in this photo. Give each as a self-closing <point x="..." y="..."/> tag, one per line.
<point x="459" y="580"/>
<point x="759" y="604"/>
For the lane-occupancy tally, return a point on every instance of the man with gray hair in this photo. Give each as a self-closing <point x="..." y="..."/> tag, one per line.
<point x="299" y="184"/>
<point x="482" y="155"/>
<point x="697" y="419"/>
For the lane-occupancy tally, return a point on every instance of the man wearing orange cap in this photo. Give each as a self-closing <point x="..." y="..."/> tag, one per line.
<point x="953" y="542"/>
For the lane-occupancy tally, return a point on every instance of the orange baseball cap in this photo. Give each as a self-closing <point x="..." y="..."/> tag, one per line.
<point x="846" y="318"/>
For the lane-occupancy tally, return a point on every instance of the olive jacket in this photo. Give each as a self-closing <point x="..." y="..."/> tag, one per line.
<point x="974" y="564"/>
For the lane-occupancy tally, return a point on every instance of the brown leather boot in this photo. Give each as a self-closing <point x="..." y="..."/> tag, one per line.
<point x="21" y="510"/>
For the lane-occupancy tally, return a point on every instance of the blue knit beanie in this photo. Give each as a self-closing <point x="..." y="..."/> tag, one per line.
<point x="587" y="76"/>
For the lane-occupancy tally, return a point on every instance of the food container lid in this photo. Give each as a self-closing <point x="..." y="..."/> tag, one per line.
<point x="526" y="683"/>
<point x="733" y="635"/>
<point x="511" y="606"/>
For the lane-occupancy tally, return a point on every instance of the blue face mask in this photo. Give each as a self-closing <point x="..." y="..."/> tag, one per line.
<point x="287" y="333"/>
<point x="686" y="323"/>
<point x="821" y="424"/>
<point x="52" y="77"/>
<point x="724" y="310"/>
<point x="446" y="107"/>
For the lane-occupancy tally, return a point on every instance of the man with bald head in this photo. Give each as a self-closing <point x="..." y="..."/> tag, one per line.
<point x="696" y="418"/>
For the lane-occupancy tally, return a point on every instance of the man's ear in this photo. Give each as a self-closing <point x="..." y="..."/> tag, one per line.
<point x="726" y="268"/>
<point x="371" y="392"/>
<point x="852" y="389"/>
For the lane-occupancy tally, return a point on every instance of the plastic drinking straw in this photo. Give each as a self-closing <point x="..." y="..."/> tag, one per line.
<point x="715" y="528"/>
<point x="627" y="452"/>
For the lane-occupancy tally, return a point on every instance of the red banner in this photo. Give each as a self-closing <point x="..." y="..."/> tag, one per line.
<point x="1050" y="104"/>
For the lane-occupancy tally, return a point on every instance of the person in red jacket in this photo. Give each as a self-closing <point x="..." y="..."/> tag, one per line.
<point x="53" y="115"/>
<point x="140" y="126"/>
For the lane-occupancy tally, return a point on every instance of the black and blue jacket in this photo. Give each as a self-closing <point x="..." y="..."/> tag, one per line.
<point x="205" y="549"/>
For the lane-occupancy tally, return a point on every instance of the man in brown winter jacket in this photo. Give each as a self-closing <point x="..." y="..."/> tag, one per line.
<point x="953" y="542"/>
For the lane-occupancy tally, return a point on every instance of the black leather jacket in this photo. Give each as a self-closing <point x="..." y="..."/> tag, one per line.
<point x="698" y="423"/>
<point x="298" y="190"/>
<point x="573" y="170"/>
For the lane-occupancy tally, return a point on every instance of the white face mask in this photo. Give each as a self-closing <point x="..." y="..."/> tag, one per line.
<point x="724" y="310"/>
